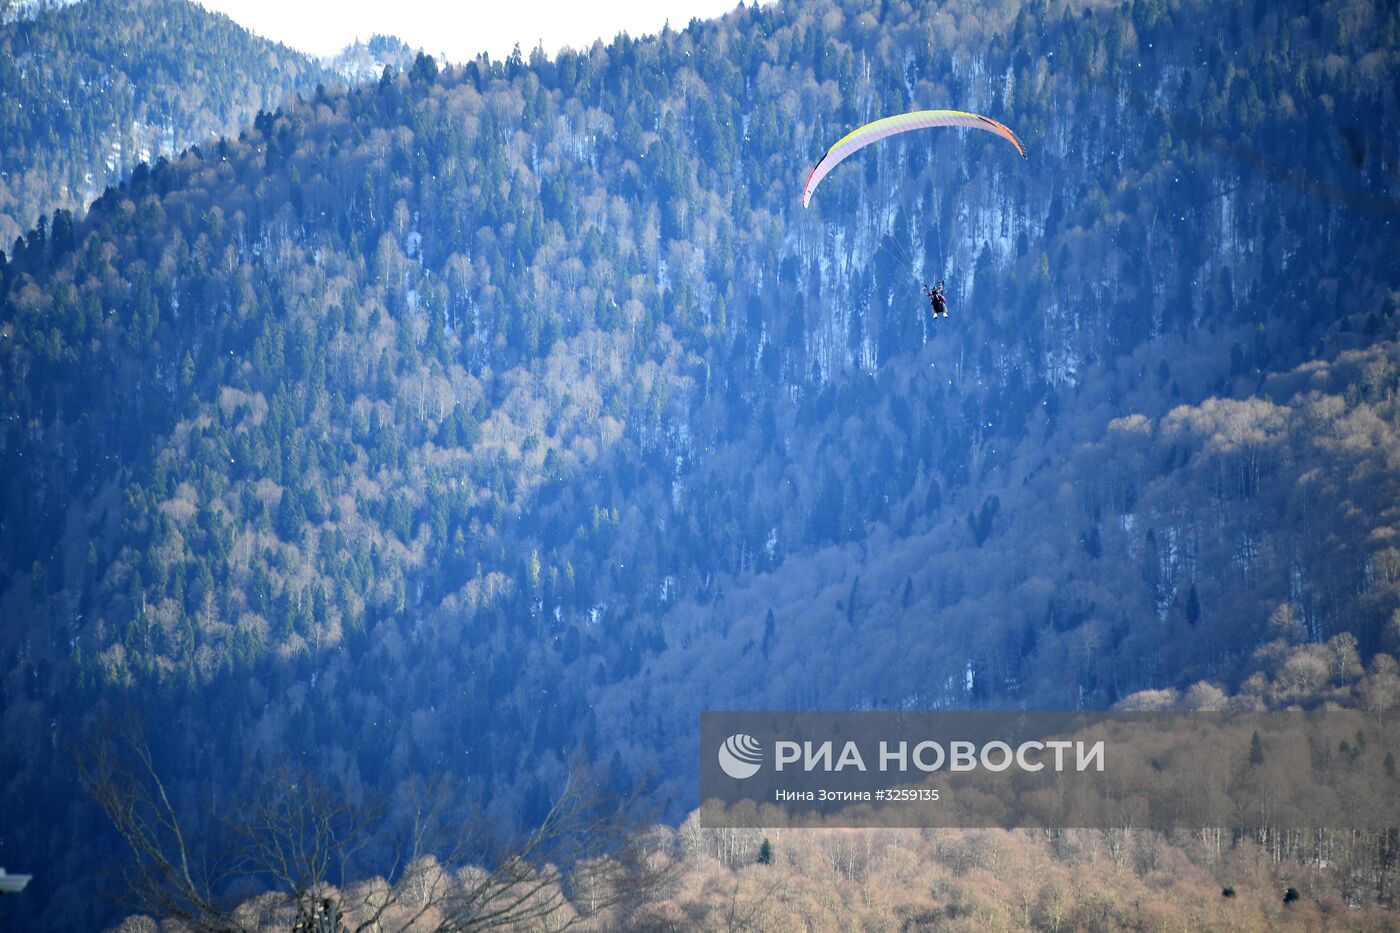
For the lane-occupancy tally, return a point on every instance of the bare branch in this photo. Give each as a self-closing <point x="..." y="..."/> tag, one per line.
<point x="447" y="867"/>
<point x="167" y="878"/>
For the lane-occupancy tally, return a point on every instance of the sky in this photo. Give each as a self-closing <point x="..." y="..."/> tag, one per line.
<point x="461" y="29"/>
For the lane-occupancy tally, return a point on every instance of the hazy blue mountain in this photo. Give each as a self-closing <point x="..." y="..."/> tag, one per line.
<point x="89" y="90"/>
<point x="482" y="413"/>
<point x="365" y="61"/>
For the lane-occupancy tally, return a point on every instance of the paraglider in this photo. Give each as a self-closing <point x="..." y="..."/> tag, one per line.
<point x="863" y="136"/>
<point x="938" y="304"/>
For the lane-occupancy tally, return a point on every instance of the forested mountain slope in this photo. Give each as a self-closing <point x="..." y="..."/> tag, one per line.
<point x="89" y="90"/>
<point x="1246" y="543"/>
<point x="456" y="421"/>
<point x="365" y="61"/>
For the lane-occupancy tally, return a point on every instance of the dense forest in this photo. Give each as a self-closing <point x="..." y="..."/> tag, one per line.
<point x="361" y="61"/>
<point x="487" y="412"/>
<point x="90" y="90"/>
<point x="831" y="880"/>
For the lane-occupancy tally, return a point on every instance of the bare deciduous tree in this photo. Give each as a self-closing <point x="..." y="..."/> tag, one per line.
<point x="444" y="865"/>
<point x="170" y="876"/>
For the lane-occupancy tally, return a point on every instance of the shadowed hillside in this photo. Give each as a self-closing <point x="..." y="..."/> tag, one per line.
<point x="489" y="411"/>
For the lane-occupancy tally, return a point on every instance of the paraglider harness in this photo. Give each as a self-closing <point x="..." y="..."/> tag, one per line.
<point x="938" y="305"/>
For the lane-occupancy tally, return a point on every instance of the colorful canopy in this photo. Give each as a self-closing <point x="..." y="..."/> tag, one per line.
<point x="859" y="138"/>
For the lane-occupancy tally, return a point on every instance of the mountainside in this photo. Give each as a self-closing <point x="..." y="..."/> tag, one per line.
<point x="460" y="420"/>
<point x="89" y="90"/>
<point x="366" y="61"/>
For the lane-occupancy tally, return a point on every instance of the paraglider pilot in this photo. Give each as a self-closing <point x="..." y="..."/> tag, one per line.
<point x="938" y="305"/>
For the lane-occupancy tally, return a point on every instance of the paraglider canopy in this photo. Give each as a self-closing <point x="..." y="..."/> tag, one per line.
<point x="863" y="136"/>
